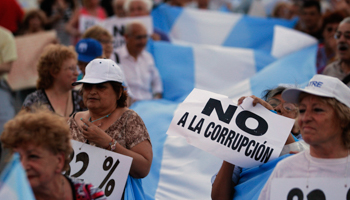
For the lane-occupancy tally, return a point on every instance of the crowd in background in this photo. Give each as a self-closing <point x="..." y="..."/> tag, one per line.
<point x="70" y="57"/>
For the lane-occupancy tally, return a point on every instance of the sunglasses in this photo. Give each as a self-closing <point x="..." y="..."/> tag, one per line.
<point x="338" y="35"/>
<point x="289" y="107"/>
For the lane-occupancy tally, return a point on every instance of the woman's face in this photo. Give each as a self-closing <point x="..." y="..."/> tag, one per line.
<point x="40" y="164"/>
<point x="318" y="122"/>
<point x="68" y="74"/>
<point x="282" y="107"/>
<point x="99" y="96"/>
<point x="107" y="45"/>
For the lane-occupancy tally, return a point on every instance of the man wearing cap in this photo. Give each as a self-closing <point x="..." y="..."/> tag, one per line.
<point x="341" y="67"/>
<point x="87" y="49"/>
<point x="138" y="66"/>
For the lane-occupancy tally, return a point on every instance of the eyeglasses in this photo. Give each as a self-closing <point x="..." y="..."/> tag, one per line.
<point x="106" y="41"/>
<point x="73" y="68"/>
<point x="140" y="37"/>
<point x="330" y="29"/>
<point x="289" y="107"/>
<point x="338" y="35"/>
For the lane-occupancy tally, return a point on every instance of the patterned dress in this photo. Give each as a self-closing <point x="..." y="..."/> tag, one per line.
<point x="39" y="97"/>
<point x="129" y="130"/>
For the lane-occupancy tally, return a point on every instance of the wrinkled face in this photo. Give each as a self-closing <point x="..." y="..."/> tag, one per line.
<point x="328" y="35"/>
<point x="343" y="41"/>
<point x="40" y="164"/>
<point x="137" y="9"/>
<point x="136" y="41"/>
<point x="282" y="107"/>
<point x="68" y="74"/>
<point x="99" y="96"/>
<point x="318" y="122"/>
<point x="310" y="17"/>
<point x="118" y="8"/>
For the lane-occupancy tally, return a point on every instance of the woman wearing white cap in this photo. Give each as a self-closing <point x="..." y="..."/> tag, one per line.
<point x="108" y="123"/>
<point x="324" y="122"/>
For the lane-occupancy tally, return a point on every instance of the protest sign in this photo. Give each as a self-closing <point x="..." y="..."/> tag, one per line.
<point x="318" y="188"/>
<point x="86" y="21"/>
<point x="116" y="26"/>
<point x="105" y="169"/>
<point x="24" y="72"/>
<point x="244" y="135"/>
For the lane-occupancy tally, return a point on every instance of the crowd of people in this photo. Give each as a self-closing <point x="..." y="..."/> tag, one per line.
<point x="85" y="87"/>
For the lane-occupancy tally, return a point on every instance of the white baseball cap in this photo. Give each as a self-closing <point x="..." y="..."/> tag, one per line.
<point x="101" y="70"/>
<point x="321" y="85"/>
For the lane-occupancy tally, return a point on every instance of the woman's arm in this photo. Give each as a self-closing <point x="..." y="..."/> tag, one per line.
<point x="142" y="155"/>
<point x="223" y="186"/>
<point x="73" y="23"/>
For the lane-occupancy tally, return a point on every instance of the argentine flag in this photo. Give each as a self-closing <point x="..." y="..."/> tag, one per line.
<point x="179" y="170"/>
<point x="14" y="184"/>
<point x="217" y="28"/>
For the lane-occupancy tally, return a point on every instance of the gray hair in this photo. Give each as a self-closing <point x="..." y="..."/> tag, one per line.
<point x="345" y="20"/>
<point x="273" y="92"/>
<point x="129" y="27"/>
<point x="149" y="4"/>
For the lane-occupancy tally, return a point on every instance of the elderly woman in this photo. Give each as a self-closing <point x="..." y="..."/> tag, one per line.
<point x="103" y="36"/>
<point x="108" y="123"/>
<point x="324" y="121"/>
<point x="228" y="182"/>
<point x="57" y="69"/>
<point x="42" y="140"/>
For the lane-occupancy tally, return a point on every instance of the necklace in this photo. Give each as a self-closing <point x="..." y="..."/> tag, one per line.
<point x="101" y="117"/>
<point x="345" y="174"/>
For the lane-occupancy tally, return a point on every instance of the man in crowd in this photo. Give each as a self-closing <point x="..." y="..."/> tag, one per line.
<point x="341" y="67"/>
<point x="138" y="66"/>
<point x="140" y="8"/>
<point x="310" y="19"/>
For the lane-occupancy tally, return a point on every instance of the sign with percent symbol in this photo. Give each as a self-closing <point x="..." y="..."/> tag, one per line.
<point x="318" y="189"/>
<point x="105" y="169"/>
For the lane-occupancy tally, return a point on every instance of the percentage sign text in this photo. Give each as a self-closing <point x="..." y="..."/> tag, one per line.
<point x="107" y="165"/>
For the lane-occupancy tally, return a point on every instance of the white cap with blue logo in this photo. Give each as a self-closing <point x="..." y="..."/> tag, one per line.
<point x="321" y="85"/>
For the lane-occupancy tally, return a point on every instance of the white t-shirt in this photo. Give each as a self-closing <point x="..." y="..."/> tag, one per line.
<point x="141" y="75"/>
<point x="297" y="167"/>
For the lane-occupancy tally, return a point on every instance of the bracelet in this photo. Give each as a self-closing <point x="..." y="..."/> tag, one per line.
<point x="113" y="147"/>
<point x="110" y="144"/>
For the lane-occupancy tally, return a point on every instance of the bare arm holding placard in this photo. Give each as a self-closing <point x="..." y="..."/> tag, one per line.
<point x="223" y="186"/>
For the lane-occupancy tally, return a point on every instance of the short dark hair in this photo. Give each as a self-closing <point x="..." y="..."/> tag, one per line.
<point x="311" y="3"/>
<point x="117" y="87"/>
<point x="332" y="18"/>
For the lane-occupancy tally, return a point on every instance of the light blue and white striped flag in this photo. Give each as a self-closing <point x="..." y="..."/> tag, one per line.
<point x="14" y="184"/>
<point x="217" y="28"/>
<point x="179" y="170"/>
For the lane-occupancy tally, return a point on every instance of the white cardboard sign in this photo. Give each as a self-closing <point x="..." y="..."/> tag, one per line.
<point x="116" y="26"/>
<point x="243" y="135"/>
<point x="105" y="169"/>
<point x="318" y="189"/>
<point x="86" y="22"/>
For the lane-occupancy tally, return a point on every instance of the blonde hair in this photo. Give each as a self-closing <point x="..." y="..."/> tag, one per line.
<point x="40" y="127"/>
<point x="96" y="32"/>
